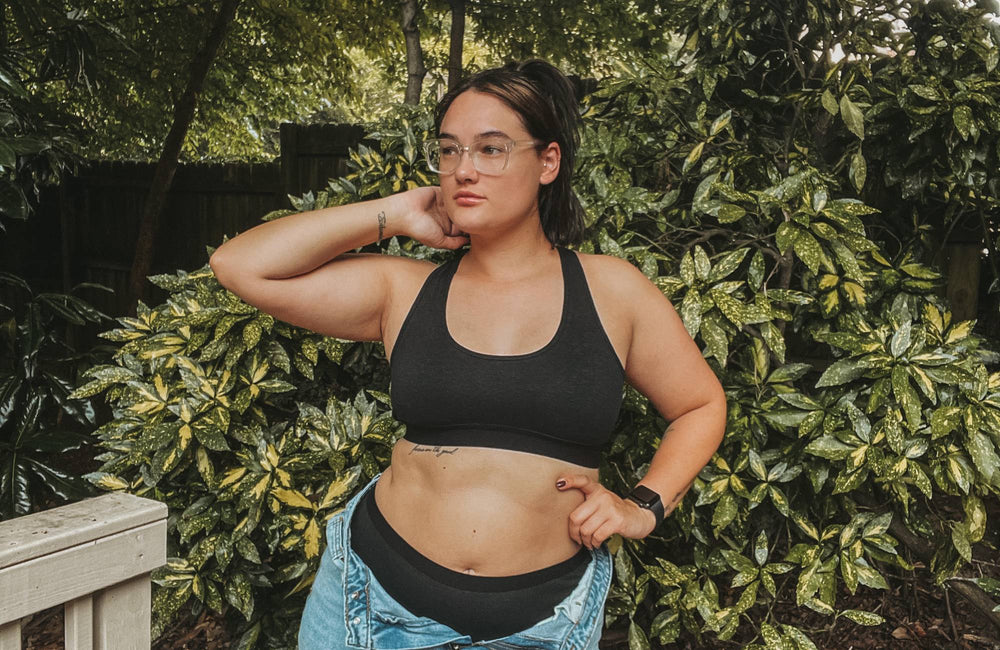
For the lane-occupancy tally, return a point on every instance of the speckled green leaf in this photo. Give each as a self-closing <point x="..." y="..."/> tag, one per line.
<point x="961" y="541"/>
<point x="690" y="312"/>
<point x="923" y="382"/>
<point x="724" y="267"/>
<point x="870" y="577"/>
<point x="829" y="447"/>
<point x="756" y="272"/>
<point x="779" y="500"/>
<point x="840" y="372"/>
<point x="944" y="420"/>
<point x="771" y="637"/>
<point x="716" y="341"/>
<point x="238" y="594"/>
<point x="920" y="479"/>
<point x="959" y="472"/>
<point x="725" y="510"/>
<point x="808" y="250"/>
<point x="731" y="308"/>
<point x="729" y="213"/>
<point x="925" y="91"/>
<point x="962" y="116"/>
<point x="610" y="246"/>
<point x="985" y="457"/>
<point x="785" y="236"/>
<point x="858" y="171"/>
<point x="830" y="102"/>
<point x="693" y="156"/>
<point x="853" y="118"/>
<point x="251" y="334"/>
<point x="687" y="269"/>
<point x="720" y="122"/>
<point x="848" y="481"/>
<point x="774" y="339"/>
<point x="702" y="265"/>
<point x="799" y="638"/>
<point x="636" y="637"/>
<point x="906" y="395"/>
<point x="862" y="617"/>
<point x="900" y="339"/>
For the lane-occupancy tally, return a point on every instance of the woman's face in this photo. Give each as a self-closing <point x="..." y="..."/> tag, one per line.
<point x="481" y="203"/>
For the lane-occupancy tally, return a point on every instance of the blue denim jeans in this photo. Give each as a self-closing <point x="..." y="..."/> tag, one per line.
<point x="348" y="608"/>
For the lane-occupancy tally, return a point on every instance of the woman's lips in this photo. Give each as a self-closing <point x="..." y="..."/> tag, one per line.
<point x="468" y="199"/>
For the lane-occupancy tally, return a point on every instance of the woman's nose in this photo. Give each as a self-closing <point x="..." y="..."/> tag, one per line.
<point x="466" y="169"/>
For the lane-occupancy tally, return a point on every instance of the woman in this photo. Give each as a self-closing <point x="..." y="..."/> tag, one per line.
<point x="507" y="366"/>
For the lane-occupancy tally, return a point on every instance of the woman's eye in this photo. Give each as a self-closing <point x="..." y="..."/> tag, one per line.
<point x="449" y="151"/>
<point x="491" y="150"/>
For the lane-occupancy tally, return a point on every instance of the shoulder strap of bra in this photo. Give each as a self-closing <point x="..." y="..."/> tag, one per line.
<point x="579" y="302"/>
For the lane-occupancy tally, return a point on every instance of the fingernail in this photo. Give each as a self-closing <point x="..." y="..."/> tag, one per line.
<point x="560" y="484"/>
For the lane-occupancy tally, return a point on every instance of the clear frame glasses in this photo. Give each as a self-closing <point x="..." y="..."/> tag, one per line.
<point x="490" y="155"/>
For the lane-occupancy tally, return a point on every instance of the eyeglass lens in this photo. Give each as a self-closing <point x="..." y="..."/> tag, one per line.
<point x="489" y="155"/>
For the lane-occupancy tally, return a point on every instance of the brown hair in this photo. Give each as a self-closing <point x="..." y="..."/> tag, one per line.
<point x="544" y="99"/>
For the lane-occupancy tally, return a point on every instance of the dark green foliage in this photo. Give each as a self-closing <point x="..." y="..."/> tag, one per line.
<point x="38" y="418"/>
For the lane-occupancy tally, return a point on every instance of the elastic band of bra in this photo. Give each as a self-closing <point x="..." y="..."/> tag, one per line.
<point x="458" y="579"/>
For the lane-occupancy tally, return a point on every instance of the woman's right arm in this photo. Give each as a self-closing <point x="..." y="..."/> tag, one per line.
<point x="297" y="268"/>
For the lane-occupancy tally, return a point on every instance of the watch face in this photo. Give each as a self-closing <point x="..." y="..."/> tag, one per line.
<point x="645" y="495"/>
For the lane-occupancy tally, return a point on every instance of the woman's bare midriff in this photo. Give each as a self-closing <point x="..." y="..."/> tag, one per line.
<point x="481" y="511"/>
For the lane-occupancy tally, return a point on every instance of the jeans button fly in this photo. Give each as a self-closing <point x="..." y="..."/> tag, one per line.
<point x="357" y="619"/>
<point x="355" y="595"/>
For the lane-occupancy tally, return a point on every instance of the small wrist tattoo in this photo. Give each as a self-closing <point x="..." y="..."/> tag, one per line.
<point x="381" y="226"/>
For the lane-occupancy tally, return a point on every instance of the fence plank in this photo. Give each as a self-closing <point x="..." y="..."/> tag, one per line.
<point x="122" y="615"/>
<point x="53" y="530"/>
<point x="79" y="623"/>
<point x="10" y="636"/>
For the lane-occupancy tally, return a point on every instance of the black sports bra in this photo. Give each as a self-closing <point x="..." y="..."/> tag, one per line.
<point x="559" y="401"/>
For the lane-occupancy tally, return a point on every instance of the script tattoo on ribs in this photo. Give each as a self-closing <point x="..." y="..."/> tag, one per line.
<point x="437" y="450"/>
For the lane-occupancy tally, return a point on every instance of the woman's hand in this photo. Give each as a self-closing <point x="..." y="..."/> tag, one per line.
<point x="426" y="219"/>
<point x="604" y="513"/>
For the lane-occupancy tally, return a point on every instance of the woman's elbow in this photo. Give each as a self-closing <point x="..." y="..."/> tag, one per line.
<point x="222" y="266"/>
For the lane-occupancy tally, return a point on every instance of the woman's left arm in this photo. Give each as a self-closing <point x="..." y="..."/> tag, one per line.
<point x="664" y="364"/>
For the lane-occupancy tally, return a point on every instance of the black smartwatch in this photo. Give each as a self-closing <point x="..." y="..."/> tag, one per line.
<point x="648" y="499"/>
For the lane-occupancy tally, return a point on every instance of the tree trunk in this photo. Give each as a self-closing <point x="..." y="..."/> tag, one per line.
<point x="164" y="175"/>
<point x="415" y="69"/>
<point x="457" y="39"/>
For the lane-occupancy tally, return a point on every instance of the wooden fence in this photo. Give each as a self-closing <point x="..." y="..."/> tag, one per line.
<point x="85" y="229"/>
<point x="94" y="557"/>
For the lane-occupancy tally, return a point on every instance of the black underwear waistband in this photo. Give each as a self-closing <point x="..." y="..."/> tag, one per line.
<point x="367" y="507"/>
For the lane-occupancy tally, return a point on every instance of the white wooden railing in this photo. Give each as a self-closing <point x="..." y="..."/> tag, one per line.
<point x="94" y="557"/>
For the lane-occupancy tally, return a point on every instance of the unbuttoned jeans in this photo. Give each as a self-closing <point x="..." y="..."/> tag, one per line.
<point x="348" y="608"/>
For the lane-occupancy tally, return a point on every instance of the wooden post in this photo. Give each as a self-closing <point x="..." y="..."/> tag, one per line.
<point x="963" y="279"/>
<point x="10" y="636"/>
<point x="106" y="546"/>
<point x="289" y="159"/>
<point x="79" y="623"/>
<point x="123" y="612"/>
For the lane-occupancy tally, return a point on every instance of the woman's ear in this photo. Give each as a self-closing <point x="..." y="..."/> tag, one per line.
<point x="551" y="157"/>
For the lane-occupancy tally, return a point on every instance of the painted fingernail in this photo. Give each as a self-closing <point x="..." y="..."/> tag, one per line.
<point x="560" y="484"/>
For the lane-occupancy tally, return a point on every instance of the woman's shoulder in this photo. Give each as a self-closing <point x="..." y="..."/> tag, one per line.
<point x="613" y="273"/>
